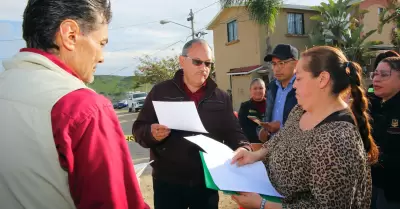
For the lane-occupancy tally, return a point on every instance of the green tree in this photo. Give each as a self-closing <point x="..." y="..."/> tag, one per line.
<point x="356" y="47"/>
<point x="153" y="70"/>
<point x="335" y="20"/>
<point x="136" y="85"/>
<point x="340" y="27"/>
<point x="263" y="12"/>
<point x="391" y="15"/>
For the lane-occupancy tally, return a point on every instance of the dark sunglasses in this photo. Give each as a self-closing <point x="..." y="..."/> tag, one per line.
<point x="198" y="62"/>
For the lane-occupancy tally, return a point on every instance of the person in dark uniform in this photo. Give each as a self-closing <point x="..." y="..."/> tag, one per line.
<point x="255" y="108"/>
<point x="385" y="112"/>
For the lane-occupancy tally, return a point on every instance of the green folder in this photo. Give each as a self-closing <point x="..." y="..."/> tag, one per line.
<point x="211" y="185"/>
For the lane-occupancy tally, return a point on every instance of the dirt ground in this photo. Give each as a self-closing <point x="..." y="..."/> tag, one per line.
<point x="146" y="185"/>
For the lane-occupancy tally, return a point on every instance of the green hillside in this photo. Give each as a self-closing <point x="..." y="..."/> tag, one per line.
<point x="115" y="87"/>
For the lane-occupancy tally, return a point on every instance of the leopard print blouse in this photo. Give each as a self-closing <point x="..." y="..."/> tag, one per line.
<point x="325" y="167"/>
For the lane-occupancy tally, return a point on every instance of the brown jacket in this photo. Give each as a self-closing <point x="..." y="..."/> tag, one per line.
<point x="177" y="160"/>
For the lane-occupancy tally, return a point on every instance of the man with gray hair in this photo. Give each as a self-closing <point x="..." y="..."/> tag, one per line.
<point x="178" y="177"/>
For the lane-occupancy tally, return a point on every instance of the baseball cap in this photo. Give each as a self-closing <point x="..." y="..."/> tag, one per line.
<point x="283" y="52"/>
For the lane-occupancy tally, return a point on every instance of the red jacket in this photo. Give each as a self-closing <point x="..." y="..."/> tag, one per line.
<point x="92" y="149"/>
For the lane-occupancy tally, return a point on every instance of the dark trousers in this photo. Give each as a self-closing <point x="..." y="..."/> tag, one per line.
<point x="172" y="196"/>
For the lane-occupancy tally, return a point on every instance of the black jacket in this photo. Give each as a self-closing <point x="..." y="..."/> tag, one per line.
<point x="249" y="127"/>
<point x="176" y="160"/>
<point x="386" y="132"/>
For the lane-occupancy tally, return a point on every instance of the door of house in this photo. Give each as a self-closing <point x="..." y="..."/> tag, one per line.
<point x="265" y="79"/>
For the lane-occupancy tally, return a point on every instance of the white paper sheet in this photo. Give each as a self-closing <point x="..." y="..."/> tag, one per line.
<point x="179" y="116"/>
<point x="228" y="177"/>
<point x="210" y="145"/>
<point x="139" y="168"/>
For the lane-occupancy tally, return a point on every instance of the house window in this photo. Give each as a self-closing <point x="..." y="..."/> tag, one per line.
<point x="380" y="10"/>
<point x="296" y="23"/>
<point x="232" y="31"/>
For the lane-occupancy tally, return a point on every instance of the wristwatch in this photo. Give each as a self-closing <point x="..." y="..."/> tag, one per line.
<point x="263" y="202"/>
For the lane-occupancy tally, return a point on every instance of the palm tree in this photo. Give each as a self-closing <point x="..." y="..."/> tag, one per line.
<point x="391" y="15"/>
<point x="263" y="12"/>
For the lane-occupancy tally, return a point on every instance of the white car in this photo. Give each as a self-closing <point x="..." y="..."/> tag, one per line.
<point x="136" y="101"/>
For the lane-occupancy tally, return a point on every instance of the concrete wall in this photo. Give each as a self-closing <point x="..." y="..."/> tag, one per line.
<point x="240" y="90"/>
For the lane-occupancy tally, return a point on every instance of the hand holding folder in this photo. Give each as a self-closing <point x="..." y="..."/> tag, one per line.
<point x="221" y="174"/>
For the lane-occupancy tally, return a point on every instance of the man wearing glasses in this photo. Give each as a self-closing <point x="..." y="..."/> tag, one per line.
<point x="281" y="96"/>
<point x="178" y="177"/>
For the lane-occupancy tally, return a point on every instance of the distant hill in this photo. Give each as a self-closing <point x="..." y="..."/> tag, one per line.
<point x="115" y="87"/>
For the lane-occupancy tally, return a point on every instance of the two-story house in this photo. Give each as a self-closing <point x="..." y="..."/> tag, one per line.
<point x="240" y="43"/>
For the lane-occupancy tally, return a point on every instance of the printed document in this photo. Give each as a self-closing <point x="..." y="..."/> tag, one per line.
<point x="179" y="115"/>
<point x="228" y="177"/>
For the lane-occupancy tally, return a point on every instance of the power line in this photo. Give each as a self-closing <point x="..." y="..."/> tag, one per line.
<point x="157" y="21"/>
<point x="157" y="51"/>
<point x="121" y="69"/>
<point x="19" y="39"/>
<point x="167" y="47"/>
<point x="128" y="26"/>
<point x="206" y="7"/>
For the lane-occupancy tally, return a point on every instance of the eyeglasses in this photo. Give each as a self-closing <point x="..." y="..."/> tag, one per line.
<point x="281" y="64"/>
<point x="383" y="74"/>
<point x="198" y="62"/>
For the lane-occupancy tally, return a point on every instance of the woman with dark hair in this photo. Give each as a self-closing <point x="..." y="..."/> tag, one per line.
<point x="321" y="157"/>
<point x="385" y="112"/>
<point x="253" y="109"/>
<point x="385" y="55"/>
<point x="378" y="59"/>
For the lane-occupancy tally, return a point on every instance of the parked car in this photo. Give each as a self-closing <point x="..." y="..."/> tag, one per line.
<point x="115" y="105"/>
<point x="136" y="101"/>
<point x="122" y="104"/>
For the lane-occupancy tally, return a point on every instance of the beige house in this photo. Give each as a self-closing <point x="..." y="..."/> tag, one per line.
<point x="240" y="43"/>
<point x="371" y="20"/>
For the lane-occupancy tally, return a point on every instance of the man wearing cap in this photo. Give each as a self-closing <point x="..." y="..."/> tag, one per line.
<point x="281" y="94"/>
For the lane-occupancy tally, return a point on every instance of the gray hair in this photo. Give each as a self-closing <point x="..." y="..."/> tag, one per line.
<point x="257" y="80"/>
<point x="190" y="43"/>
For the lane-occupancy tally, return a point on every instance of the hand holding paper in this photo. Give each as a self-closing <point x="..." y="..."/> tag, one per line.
<point x="159" y="132"/>
<point x="179" y="115"/>
<point x="243" y="157"/>
<point x="229" y="177"/>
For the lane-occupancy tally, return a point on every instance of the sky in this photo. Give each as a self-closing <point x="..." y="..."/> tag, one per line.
<point x="135" y="30"/>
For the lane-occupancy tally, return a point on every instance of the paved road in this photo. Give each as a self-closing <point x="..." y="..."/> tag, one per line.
<point x="139" y="154"/>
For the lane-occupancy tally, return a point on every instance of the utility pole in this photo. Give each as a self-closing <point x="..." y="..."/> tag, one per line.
<point x="191" y="19"/>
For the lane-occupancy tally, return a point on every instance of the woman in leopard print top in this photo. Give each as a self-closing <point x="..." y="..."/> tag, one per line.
<point x="321" y="158"/>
